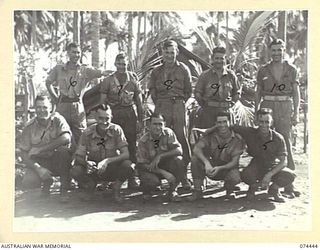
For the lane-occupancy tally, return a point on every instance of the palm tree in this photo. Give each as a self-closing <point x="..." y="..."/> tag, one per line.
<point x="95" y="29"/>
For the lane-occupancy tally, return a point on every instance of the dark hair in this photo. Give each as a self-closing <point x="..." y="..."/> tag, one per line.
<point x="72" y="45"/>
<point x="218" y="50"/>
<point x="224" y="113"/>
<point x="103" y="107"/>
<point x="264" y="111"/>
<point x="156" y="115"/>
<point x="169" y="43"/>
<point x="42" y="98"/>
<point x="121" y="55"/>
<point x="277" y="42"/>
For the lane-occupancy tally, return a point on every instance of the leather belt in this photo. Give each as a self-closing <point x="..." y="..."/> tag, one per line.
<point x="218" y="104"/>
<point x="172" y="99"/>
<point x="67" y="99"/>
<point x="277" y="98"/>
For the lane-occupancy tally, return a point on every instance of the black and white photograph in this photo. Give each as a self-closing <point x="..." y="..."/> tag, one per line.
<point x="161" y="120"/>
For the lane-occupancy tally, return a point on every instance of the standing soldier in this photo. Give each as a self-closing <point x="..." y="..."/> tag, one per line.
<point x="72" y="80"/>
<point x="121" y="90"/>
<point x="217" y="89"/>
<point x="170" y="88"/>
<point x="278" y="89"/>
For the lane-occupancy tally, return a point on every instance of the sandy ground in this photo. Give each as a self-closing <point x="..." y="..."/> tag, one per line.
<point x="33" y="214"/>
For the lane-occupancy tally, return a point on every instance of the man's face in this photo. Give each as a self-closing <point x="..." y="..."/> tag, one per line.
<point x="121" y="65"/>
<point x="74" y="54"/>
<point x="223" y="123"/>
<point x="156" y="126"/>
<point x="170" y="54"/>
<point x="43" y="109"/>
<point x="264" y="123"/>
<point x="103" y="118"/>
<point x="277" y="52"/>
<point x="218" y="60"/>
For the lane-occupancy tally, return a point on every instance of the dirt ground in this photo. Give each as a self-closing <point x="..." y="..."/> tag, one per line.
<point x="33" y="214"/>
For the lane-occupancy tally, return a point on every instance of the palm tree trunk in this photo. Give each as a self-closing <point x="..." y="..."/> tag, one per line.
<point x="56" y="27"/>
<point x="95" y="19"/>
<point x="76" y="26"/>
<point x="227" y="34"/>
<point x="282" y="25"/>
<point x="138" y="34"/>
<point x="130" y="28"/>
<point x="34" y="29"/>
<point x="145" y="28"/>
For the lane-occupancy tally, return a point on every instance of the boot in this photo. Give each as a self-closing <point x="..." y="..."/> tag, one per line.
<point x="290" y="192"/>
<point x="274" y="192"/>
<point x="197" y="192"/>
<point x="45" y="190"/>
<point x="116" y="187"/>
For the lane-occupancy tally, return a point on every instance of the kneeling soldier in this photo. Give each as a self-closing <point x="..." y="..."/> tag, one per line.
<point x="103" y="147"/>
<point x="159" y="156"/>
<point x="217" y="155"/>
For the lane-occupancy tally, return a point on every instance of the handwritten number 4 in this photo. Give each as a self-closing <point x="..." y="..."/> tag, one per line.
<point x="102" y="142"/>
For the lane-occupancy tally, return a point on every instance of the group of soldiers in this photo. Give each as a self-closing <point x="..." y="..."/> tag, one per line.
<point x="58" y="141"/>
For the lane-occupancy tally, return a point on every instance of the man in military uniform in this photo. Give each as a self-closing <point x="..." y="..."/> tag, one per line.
<point x="170" y="88"/>
<point x="217" y="89"/>
<point x="278" y="89"/>
<point x="217" y="156"/>
<point x="45" y="149"/>
<point x="71" y="80"/>
<point x="268" y="149"/>
<point x="121" y="90"/>
<point x="102" y="154"/>
<point x="159" y="157"/>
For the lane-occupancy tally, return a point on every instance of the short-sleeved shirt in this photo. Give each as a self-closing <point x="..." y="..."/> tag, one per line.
<point x="35" y="135"/>
<point x="97" y="147"/>
<point x="72" y="82"/>
<point x="120" y="94"/>
<point x="212" y="88"/>
<point x="266" y="149"/>
<point x="175" y="83"/>
<point x="270" y="86"/>
<point x="149" y="148"/>
<point x="223" y="149"/>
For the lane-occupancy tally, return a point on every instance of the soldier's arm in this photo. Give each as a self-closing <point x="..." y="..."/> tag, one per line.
<point x="258" y="95"/>
<point x="187" y="84"/>
<point x="198" y="92"/>
<point x="296" y="103"/>
<point x="62" y="140"/>
<point x="198" y="151"/>
<point x="236" y="91"/>
<point x="52" y="77"/>
<point x="124" y="155"/>
<point x="138" y="102"/>
<point x="152" y="87"/>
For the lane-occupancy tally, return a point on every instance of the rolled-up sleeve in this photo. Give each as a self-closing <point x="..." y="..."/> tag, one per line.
<point x="82" y="146"/>
<point x="142" y="153"/>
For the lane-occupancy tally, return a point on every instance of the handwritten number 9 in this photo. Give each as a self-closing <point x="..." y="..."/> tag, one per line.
<point x="216" y="87"/>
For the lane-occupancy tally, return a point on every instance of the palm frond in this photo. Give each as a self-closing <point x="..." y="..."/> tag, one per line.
<point x="244" y="115"/>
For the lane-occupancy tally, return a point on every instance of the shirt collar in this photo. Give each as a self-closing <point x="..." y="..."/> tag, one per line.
<point x="65" y="66"/>
<point x="51" y="117"/>
<point x="224" y="71"/>
<point x="152" y="139"/>
<point x="96" y="135"/>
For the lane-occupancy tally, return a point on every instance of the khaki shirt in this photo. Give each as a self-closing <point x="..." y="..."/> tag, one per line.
<point x="212" y="88"/>
<point x="149" y="148"/>
<point x="72" y="82"/>
<point x="270" y="86"/>
<point x="175" y="83"/>
<point x="223" y="149"/>
<point x="119" y="94"/>
<point x="98" y="148"/>
<point x="36" y="136"/>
